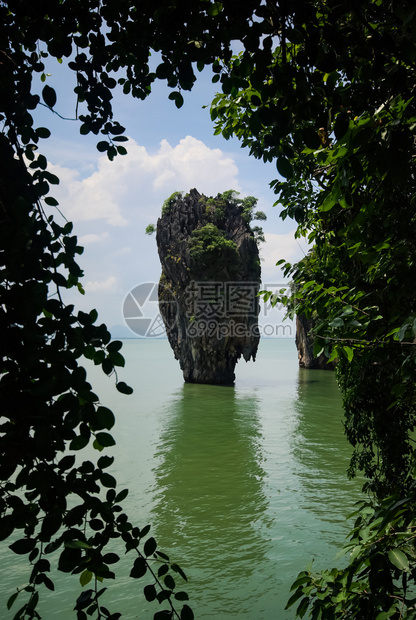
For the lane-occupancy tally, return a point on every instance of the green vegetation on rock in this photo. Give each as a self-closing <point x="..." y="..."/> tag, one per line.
<point x="150" y="229"/>
<point x="212" y="253"/>
<point x="169" y="202"/>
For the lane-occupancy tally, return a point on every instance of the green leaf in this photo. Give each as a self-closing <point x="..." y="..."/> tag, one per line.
<point x="124" y="388"/>
<point x="67" y="462"/>
<point x="108" y="481"/>
<point x="284" y="167"/>
<point x="301" y="579"/>
<point x="215" y="9"/>
<point x="106" y="364"/>
<point x="97" y="446"/>
<point x="105" y="439"/>
<point x="395" y="610"/>
<point x="52" y="202"/>
<point x="12" y="599"/>
<point x="334" y="355"/>
<point x="399" y="559"/>
<point x="150" y="593"/>
<point x="105" y="418"/>
<point x="43" y="132"/>
<point x="181" y="596"/>
<point x="51" y="178"/>
<point x="303" y="607"/>
<point x="77" y="544"/>
<point x="402" y="332"/>
<point x="116" y="129"/>
<point x="33" y="601"/>
<point x="149" y="547"/>
<point x="187" y="613"/>
<point x="164" y="71"/>
<point x="163" y="595"/>
<point x="338" y="322"/>
<point x="162" y="570"/>
<point x="295" y="597"/>
<point x="111" y="558"/>
<point x="329" y="202"/>
<point x="117" y="359"/>
<point x="139" y="568"/>
<point x="177" y="569"/>
<point x="47" y="582"/>
<point x="85" y="577"/>
<point x="165" y="614"/>
<point x="382" y="246"/>
<point x="114" y="345"/>
<point x="49" y="96"/>
<point x="177" y="98"/>
<point x="103" y="146"/>
<point x="349" y="353"/>
<point x="96" y="525"/>
<point x="105" y="461"/>
<point x="79" y="443"/>
<point x="169" y="582"/>
<point x="121" y="496"/>
<point x="22" y="546"/>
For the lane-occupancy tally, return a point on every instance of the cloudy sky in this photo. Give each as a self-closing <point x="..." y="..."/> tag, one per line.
<point x="111" y="203"/>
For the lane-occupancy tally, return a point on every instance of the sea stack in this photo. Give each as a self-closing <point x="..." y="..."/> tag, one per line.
<point x="209" y="284"/>
<point x="305" y="344"/>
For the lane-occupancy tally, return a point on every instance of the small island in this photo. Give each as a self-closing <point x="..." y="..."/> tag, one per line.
<point x="208" y="290"/>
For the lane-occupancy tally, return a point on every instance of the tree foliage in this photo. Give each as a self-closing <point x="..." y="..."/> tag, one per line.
<point x="331" y="99"/>
<point x="49" y="500"/>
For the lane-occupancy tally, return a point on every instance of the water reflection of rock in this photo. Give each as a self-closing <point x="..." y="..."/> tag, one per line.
<point x="321" y="449"/>
<point x="209" y="499"/>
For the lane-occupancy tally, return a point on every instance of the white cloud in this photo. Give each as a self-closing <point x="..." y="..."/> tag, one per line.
<point x="87" y="199"/>
<point x="92" y="238"/>
<point x="140" y="179"/>
<point x="114" y="203"/>
<point x="193" y="164"/>
<point x="278" y="247"/>
<point x="108" y="285"/>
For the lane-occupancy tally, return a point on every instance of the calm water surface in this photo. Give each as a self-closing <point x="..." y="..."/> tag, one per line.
<point x="243" y="485"/>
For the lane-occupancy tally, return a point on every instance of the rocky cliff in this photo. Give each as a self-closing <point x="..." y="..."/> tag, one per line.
<point x="304" y="344"/>
<point x="209" y="284"/>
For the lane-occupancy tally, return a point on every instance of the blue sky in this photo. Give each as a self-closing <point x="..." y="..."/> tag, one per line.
<point x="111" y="203"/>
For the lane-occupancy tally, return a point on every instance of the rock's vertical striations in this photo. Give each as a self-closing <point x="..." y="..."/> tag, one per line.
<point x="304" y="345"/>
<point x="209" y="284"/>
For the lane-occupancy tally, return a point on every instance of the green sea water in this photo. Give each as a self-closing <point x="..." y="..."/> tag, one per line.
<point x="243" y="485"/>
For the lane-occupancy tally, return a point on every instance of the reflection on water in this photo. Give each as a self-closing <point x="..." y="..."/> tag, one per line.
<point x="320" y="449"/>
<point x="209" y="495"/>
<point x="242" y="486"/>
